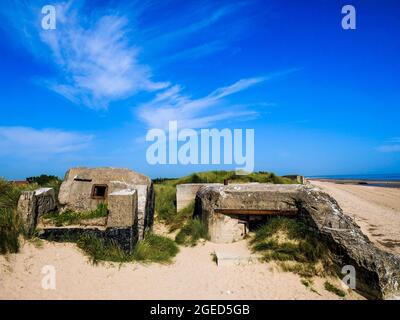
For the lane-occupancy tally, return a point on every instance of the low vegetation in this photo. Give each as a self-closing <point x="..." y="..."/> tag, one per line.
<point x="153" y="248"/>
<point x="181" y="217"/>
<point x="307" y="282"/>
<point x="10" y="193"/>
<point x="11" y="229"/>
<point x="191" y="232"/>
<point x="71" y="217"/>
<point x="331" y="288"/>
<point x="165" y="203"/>
<point x="11" y="226"/>
<point x="293" y="246"/>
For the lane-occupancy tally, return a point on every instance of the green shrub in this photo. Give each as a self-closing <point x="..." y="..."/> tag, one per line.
<point x="191" y="232"/>
<point x="11" y="228"/>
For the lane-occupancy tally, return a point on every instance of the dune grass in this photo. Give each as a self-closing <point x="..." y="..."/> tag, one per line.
<point x="11" y="226"/>
<point x="181" y="217"/>
<point x="165" y="202"/>
<point x="191" y="232"/>
<point x="10" y="193"/>
<point x="153" y="248"/>
<point x="331" y="288"/>
<point x="11" y="229"/>
<point x="71" y="217"/>
<point x="293" y="246"/>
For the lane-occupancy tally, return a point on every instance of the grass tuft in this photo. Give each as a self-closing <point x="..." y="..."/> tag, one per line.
<point x="165" y="203"/>
<point x="99" y="249"/>
<point x="11" y="228"/>
<point x="307" y="282"/>
<point x="191" y="232"/>
<point x="153" y="248"/>
<point x="331" y="288"/>
<point x="297" y="249"/>
<point x="182" y="217"/>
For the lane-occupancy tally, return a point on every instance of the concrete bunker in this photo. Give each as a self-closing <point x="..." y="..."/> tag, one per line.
<point x="83" y="189"/>
<point x="129" y="197"/>
<point x="222" y="210"/>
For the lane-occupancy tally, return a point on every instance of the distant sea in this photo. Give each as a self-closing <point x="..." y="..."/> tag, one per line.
<point x="376" y="180"/>
<point x="370" y="177"/>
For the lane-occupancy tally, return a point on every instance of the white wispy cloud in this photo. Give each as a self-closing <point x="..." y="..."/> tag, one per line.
<point x="197" y="20"/>
<point x="173" y="105"/>
<point x="25" y="141"/>
<point x="95" y="59"/>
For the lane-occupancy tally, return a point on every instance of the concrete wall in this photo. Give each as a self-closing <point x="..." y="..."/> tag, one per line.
<point x="186" y="193"/>
<point x="123" y="208"/>
<point x="33" y="204"/>
<point x="226" y="228"/>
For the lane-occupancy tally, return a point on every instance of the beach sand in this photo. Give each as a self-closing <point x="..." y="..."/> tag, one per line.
<point x="193" y="275"/>
<point x="375" y="209"/>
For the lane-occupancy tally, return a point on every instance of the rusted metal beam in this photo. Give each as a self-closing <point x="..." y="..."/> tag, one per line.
<point x="257" y="212"/>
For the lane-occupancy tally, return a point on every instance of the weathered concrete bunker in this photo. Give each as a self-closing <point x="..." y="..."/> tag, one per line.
<point x="83" y="189"/>
<point x="227" y="212"/>
<point x="129" y="197"/>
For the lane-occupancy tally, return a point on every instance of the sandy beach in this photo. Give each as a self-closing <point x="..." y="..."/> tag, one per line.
<point x="194" y="275"/>
<point x="375" y="209"/>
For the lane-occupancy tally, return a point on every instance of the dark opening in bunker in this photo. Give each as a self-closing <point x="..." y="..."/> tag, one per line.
<point x="254" y="218"/>
<point x="99" y="191"/>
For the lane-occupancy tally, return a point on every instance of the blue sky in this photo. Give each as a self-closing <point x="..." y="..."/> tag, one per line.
<point x="322" y="100"/>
